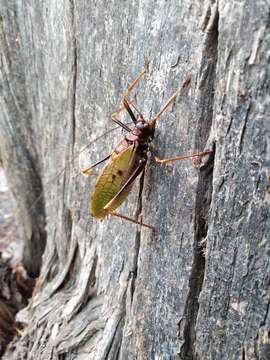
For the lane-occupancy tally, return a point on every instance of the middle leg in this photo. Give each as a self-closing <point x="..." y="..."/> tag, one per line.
<point x="154" y="232"/>
<point x="182" y="157"/>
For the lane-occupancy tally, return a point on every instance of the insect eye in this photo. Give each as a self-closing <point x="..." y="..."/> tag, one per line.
<point x="140" y="126"/>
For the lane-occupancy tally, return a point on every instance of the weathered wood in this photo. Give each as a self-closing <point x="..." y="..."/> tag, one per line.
<point x="18" y="139"/>
<point x="15" y="290"/>
<point x="106" y="291"/>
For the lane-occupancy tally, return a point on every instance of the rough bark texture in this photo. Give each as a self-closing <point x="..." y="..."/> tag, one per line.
<point x="15" y="290"/>
<point x="19" y="133"/>
<point x="106" y="291"/>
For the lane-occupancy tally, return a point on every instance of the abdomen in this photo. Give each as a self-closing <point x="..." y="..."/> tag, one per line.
<point x="110" y="181"/>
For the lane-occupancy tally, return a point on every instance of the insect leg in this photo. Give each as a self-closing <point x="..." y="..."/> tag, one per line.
<point x="113" y="213"/>
<point x="178" y="92"/>
<point x="137" y="79"/>
<point x="182" y="157"/>
<point x="132" y="85"/>
<point x="87" y="171"/>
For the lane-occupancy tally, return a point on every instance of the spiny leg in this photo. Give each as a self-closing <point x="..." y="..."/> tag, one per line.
<point x="137" y="79"/>
<point x="182" y="157"/>
<point x="178" y="92"/>
<point x="113" y="213"/>
<point x="131" y="86"/>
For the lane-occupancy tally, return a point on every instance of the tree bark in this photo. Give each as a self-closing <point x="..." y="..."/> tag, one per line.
<point x="18" y="138"/>
<point x="107" y="290"/>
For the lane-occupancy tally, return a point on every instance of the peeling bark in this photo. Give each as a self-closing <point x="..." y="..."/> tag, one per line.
<point x="106" y="290"/>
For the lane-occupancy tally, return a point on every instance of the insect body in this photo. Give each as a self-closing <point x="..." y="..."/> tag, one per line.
<point x="128" y="160"/>
<point x="126" y="163"/>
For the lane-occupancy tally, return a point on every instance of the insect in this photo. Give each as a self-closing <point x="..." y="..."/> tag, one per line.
<point x="128" y="160"/>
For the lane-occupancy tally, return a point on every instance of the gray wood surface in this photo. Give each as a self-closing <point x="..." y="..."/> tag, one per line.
<point x="18" y="140"/>
<point x="106" y="290"/>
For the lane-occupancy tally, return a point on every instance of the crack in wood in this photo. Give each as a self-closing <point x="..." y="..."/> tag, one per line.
<point x="243" y="129"/>
<point x="204" y="187"/>
<point x="137" y="237"/>
<point x="203" y="203"/>
<point x="81" y="330"/>
<point x="115" y="346"/>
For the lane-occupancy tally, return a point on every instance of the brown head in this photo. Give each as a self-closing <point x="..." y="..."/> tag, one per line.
<point x="143" y="130"/>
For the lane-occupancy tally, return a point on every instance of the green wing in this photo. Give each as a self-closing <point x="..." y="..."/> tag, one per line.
<point x="110" y="182"/>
